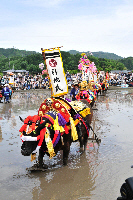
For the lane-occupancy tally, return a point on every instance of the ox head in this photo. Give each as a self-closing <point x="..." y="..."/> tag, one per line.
<point x="30" y="134"/>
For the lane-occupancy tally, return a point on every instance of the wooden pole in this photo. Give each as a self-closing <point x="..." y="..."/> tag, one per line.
<point x="52" y="48"/>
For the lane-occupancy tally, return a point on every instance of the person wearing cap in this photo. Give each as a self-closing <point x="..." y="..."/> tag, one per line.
<point x="74" y="91"/>
<point x="6" y="92"/>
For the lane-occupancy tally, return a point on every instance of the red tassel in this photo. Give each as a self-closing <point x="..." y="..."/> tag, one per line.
<point x="55" y="136"/>
<point x="22" y="128"/>
<point x="35" y="118"/>
<point x="41" y="136"/>
<point x="66" y="129"/>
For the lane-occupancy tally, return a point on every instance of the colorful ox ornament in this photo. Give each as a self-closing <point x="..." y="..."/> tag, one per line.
<point x="87" y="92"/>
<point x="57" y="125"/>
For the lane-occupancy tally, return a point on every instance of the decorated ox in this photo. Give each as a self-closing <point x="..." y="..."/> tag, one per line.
<point x="97" y="88"/>
<point x="57" y="125"/>
<point x="87" y="92"/>
<point x="104" y="86"/>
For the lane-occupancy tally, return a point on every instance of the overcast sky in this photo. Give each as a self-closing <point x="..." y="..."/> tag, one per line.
<point x="82" y="25"/>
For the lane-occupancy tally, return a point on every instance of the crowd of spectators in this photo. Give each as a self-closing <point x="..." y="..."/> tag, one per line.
<point x="118" y="79"/>
<point x="113" y="78"/>
<point x="37" y="81"/>
<point x="25" y="82"/>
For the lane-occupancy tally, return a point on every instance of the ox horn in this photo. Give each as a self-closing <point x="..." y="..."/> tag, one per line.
<point x="21" y="119"/>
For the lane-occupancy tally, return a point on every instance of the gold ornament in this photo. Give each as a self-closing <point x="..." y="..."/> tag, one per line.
<point x="63" y="110"/>
<point x="33" y="157"/>
<point x="40" y="113"/>
<point x="83" y="85"/>
<point x="85" y="112"/>
<point x="43" y="107"/>
<point x="57" y="105"/>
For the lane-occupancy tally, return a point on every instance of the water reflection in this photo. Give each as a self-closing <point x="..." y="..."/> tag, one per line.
<point x="75" y="181"/>
<point x="117" y="96"/>
<point x="22" y="101"/>
<point x="6" y="111"/>
<point x="28" y="101"/>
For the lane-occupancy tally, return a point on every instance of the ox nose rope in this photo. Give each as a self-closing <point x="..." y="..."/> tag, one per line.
<point x="96" y="138"/>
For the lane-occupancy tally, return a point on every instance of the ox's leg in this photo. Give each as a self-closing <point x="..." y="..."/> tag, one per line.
<point x="66" y="148"/>
<point x="40" y="160"/>
<point x="80" y="135"/>
<point x="84" y="138"/>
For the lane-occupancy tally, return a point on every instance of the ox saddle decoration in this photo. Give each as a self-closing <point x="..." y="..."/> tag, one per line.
<point x="56" y="118"/>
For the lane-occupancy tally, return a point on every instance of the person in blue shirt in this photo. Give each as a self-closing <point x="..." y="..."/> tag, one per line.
<point x="5" y="93"/>
<point x="74" y="91"/>
<point x="10" y="94"/>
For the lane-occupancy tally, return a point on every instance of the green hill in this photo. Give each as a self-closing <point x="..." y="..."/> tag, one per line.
<point x="99" y="54"/>
<point x="128" y="62"/>
<point x="30" y="60"/>
<point x="12" y="52"/>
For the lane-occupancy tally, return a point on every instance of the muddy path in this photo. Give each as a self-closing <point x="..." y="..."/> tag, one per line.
<point x="96" y="174"/>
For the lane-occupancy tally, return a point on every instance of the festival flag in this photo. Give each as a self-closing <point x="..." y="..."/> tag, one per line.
<point x="54" y="64"/>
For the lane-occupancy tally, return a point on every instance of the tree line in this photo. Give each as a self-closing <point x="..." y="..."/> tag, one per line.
<point x="70" y="62"/>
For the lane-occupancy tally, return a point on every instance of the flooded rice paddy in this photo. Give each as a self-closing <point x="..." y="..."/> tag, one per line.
<point x="97" y="174"/>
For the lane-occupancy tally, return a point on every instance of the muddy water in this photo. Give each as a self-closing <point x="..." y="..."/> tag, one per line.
<point x="96" y="174"/>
